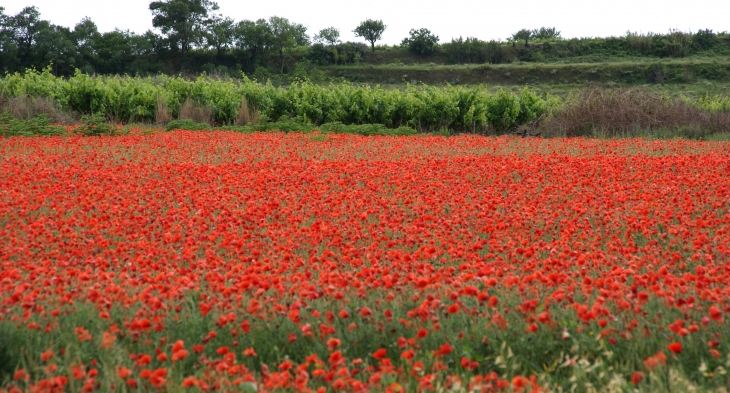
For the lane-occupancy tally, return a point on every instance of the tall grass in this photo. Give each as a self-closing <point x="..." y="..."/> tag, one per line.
<point x="636" y="112"/>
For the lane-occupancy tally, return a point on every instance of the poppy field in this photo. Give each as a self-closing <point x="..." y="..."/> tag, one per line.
<point x="221" y="261"/>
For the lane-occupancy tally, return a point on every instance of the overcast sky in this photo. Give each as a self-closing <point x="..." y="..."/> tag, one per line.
<point x="485" y="19"/>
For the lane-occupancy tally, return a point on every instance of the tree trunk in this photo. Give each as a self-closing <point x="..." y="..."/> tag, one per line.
<point x="281" y="55"/>
<point x="372" y="46"/>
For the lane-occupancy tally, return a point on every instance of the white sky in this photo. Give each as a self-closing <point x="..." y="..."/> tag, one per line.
<point x="486" y="19"/>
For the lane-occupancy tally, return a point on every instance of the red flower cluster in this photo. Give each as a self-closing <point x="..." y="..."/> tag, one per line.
<point x="321" y="240"/>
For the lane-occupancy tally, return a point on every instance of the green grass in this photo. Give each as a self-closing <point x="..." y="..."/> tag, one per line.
<point x="655" y="71"/>
<point x="509" y="350"/>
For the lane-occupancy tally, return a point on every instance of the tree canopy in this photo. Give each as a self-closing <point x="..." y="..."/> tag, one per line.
<point x="371" y="30"/>
<point x="182" y="22"/>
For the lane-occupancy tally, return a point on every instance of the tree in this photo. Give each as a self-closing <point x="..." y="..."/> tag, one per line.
<point x="38" y="42"/>
<point x="421" y="42"/>
<point x="371" y="31"/>
<point x="182" y="21"/>
<point x="115" y="52"/>
<point x="220" y="34"/>
<point x="54" y="45"/>
<point x="86" y="35"/>
<point x="8" y="49"/>
<point x="286" y="35"/>
<point x="25" y="27"/>
<point x="522" y="35"/>
<point x="545" y="33"/>
<point x="329" y="36"/>
<point x="255" y="38"/>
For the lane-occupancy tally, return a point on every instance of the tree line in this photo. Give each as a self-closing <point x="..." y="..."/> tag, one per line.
<point x="193" y="35"/>
<point x="182" y="27"/>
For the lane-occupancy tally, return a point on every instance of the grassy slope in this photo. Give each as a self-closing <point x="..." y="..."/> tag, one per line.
<point x="646" y="71"/>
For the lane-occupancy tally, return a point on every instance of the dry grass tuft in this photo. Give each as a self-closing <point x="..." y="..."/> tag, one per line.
<point x="162" y="113"/>
<point x="630" y="112"/>
<point x="247" y="114"/>
<point x="196" y="112"/>
<point x="27" y="107"/>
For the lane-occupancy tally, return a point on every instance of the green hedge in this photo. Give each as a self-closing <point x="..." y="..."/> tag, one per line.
<point x="135" y="99"/>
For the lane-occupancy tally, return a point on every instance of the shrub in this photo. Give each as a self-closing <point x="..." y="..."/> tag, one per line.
<point x="38" y="125"/>
<point x="475" y="51"/>
<point x="95" y="125"/>
<point x="704" y="39"/>
<point x="503" y="110"/>
<point x="421" y="42"/>
<point x="344" y="53"/>
<point x="522" y="35"/>
<point x="546" y="33"/>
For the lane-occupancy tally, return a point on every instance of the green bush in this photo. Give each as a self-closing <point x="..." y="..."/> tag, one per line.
<point x="421" y="42"/>
<point x="424" y="108"/>
<point x="503" y="110"/>
<point x="340" y="54"/>
<point x="475" y="51"/>
<point x="704" y="40"/>
<point x="37" y="126"/>
<point x="95" y="125"/>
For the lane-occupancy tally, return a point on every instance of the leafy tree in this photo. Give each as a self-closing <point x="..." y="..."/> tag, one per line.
<point x="421" y="42"/>
<point x="85" y="36"/>
<point x="371" y="31"/>
<point x="220" y="33"/>
<point x="546" y="33"/>
<point x="115" y="52"/>
<point x="182" y="21"/>
<point x="25" y="28"/>
<point x="8" y="49"/>
<point x="37" y="42"/>
<point x="147" y="43"/>
<point x="255" y="38"/>
<point x="522" y="35"/>
<point x="329" y="36"/>
<point x="286" y="35"/>
<point x="54" y="45"/>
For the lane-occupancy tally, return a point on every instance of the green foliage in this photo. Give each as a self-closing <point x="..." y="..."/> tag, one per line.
<point x="329" y="36"/>
<point x="371" y="30"/>
<point x="182" y="21"/>
<point x="37" y="126"/>
<point x="704" y="39"/>
<point x="421" y="42"/>
<point x="187" y="124"/>
<point x="503" y="109"/>
<point x="254" y="38"/>
<point x="95" y="125"/>
<point x="474" y="50"/>
<point x="710" y="103"/>
<point x="219" y="33"/>
<point x="286" y="34"/>
<point x="522" y="35"/>
<point x="305" y="70"/>
<point x="546" y="33"/>
<point x="423" y="108"/>
<point x="340" y="54"/>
